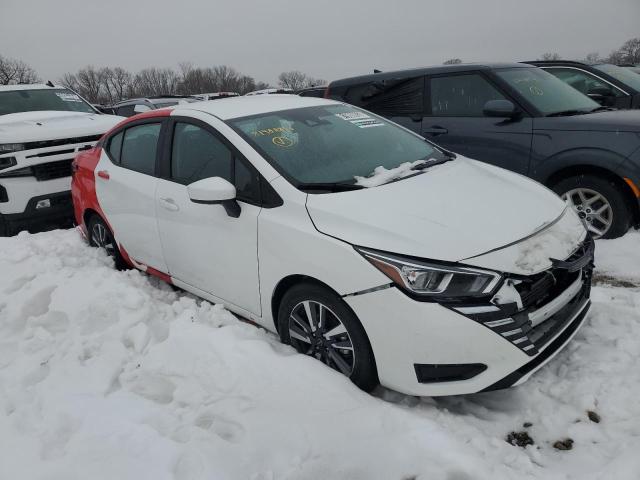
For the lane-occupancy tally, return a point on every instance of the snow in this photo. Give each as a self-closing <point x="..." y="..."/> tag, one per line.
<point x="107" y="374"/>
<point x="381" y="175"/>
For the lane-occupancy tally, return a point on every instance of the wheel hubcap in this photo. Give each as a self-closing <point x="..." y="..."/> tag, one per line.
<point x="315" y="330"/>
<point x="593" y="208"/>
<point x="102" y="238"/>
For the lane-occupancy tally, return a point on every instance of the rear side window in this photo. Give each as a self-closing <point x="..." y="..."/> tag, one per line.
<point x="115" y="147"/>
<point x="139" y="148"/>
<point x="391" y="97"/>
<point x="461" y="95"/>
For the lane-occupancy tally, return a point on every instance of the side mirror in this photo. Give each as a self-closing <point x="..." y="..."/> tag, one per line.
<point x="215" y="191"/>
<point x="501" y="109"/>
<point x="140" y="108"/>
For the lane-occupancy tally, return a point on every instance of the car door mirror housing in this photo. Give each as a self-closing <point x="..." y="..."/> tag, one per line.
<point x="140" y="108"/>
<point x="500" y="108"/>
<point x="215" y="191"/>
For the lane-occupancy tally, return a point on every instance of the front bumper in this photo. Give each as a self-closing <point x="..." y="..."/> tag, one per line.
<point x="428" y="349"/>
<point x="59" y="213"/>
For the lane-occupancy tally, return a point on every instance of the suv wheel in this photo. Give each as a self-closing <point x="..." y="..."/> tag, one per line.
<point x="317" y="322"/>
<point x="598" y="202"/>
<point x="100" y="236"/>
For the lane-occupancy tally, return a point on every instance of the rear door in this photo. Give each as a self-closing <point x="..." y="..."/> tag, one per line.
<point x="126" y="185"/>
<point x="204" y="246"/>
<point x="454" y="119"/>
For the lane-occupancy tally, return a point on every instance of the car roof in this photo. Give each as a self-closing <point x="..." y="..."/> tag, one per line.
<point x="430" y="70"/>
<point x="30" y="86"/>
<point x="243" y="106"/>
<point x="565" y="62"/>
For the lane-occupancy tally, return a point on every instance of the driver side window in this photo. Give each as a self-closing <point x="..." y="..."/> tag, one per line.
<point x="196" y="153"/>
<point x="461" y="95"/>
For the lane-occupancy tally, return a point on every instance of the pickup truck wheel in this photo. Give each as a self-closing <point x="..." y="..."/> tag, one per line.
<point x="316" y="322"/>
<point x="599" y="202"/>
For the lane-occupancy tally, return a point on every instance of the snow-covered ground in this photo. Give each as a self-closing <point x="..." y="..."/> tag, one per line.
<point x="113" y="375"/>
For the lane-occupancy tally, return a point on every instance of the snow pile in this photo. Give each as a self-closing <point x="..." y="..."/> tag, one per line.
<point x="381" y="175"/>
<point x="618" y="259"/>
<point x="107" y="374"/>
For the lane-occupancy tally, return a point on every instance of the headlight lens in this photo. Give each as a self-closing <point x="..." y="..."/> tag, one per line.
<point x="432" y="280"/>
<point x="6" y="162"/>
<point x="11" y="147"/>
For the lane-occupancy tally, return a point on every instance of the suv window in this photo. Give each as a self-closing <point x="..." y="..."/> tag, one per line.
<point x="391" y="97"/>
<point x="196" y="153"/>
<point x="582" y="81"/>
<point x="139" y="148"/>
<point x="125" y="110"/>
<point x="461" y="95"/>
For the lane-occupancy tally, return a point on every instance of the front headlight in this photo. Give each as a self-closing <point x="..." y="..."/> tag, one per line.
<point x="432" y="280"/>
<point x="10" y="147"/>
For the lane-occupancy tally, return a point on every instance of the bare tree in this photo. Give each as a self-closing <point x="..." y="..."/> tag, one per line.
<point x="15" y="72"/>
<point x="630" y="51"/>
<point x="593" y="57"/>
<point x="156" y="81"/>
<point x="452" y="61"/>
<point x="296" y="80"/>
<point x="550" y="56"/>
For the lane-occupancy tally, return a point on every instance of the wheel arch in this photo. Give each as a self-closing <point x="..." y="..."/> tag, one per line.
<point x="599" y="171"/>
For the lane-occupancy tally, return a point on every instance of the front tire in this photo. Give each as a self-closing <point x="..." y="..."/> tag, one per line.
<point x="317" y="322"/>
<point x="599" y="202"/>
<point x="100" y="236"/>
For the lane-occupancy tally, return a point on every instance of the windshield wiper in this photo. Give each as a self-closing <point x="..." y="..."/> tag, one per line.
<point x="567" y="113"/>
<point x="330" y="186"/>
<point x="602" y="108"/>
<point x="425" y="165"/>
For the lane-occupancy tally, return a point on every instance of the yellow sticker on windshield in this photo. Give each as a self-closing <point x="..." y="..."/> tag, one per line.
<point x="282" y="141"/>
<point x="271" y="131"/>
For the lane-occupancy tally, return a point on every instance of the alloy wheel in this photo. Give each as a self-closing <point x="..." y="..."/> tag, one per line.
<point x="102" y="238"/>
<point x="593" y="208"/>
<point x="317" y="331"/>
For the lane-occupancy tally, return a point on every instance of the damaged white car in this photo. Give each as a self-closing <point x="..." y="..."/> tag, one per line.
<point x="42" y="127"/>
<point x="360" y="243"/>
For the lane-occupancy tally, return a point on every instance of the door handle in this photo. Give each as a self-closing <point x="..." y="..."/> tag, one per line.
<point x="103" y="174"/>
<point x="169" y="204"/>
<point x="435" y="130"/>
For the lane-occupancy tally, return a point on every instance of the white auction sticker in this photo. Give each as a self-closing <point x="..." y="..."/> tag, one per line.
<point x="360" y="119"/>
<point x="68" y="97"/>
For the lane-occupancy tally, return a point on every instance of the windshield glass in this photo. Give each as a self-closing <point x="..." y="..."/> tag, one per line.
<point x="625" y="75"/>
<point x="331" y="144"/>
<point x="57" y="99"/>
<point x="545" y="91"/>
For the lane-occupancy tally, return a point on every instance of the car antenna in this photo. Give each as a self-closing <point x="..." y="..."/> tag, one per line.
<point x="49" y="84"/>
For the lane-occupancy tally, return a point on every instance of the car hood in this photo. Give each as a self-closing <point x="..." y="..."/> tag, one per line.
<point x="606" y="121"/>
<point x="52" y="125"/>
<point x="450" y="212"/>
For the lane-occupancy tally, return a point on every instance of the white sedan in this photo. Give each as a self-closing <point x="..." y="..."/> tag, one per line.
<point x="387" y="258"/>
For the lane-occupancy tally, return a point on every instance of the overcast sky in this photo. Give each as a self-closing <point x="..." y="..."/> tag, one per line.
<point x="327" y="39"/>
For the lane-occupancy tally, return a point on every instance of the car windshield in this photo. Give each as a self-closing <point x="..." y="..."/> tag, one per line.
<point x="625" y="75"/>
<point x="57" y="99"/>
<point x="544" y="91"/>
<point x="331" y="143"/>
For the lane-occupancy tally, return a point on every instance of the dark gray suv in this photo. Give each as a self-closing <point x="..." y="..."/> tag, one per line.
<point x="524" y="119"/>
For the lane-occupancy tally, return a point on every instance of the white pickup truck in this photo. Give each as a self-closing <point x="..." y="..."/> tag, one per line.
<point x="42" y="128"/>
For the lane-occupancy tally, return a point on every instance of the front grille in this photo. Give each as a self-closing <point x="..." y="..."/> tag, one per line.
<point x="52" y="170"/>
<point x="61" y="141"/>
<point x="539" y="289"/>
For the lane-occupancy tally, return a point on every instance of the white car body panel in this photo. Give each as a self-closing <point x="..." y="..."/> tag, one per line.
<point x="128" y="199"/>
<point x="450" y="212"/>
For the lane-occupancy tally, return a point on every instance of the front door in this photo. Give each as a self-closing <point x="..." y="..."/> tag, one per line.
<point x="456" y="122"/>
<point x="204" y="247"/>
<point x="126" y="185"/>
